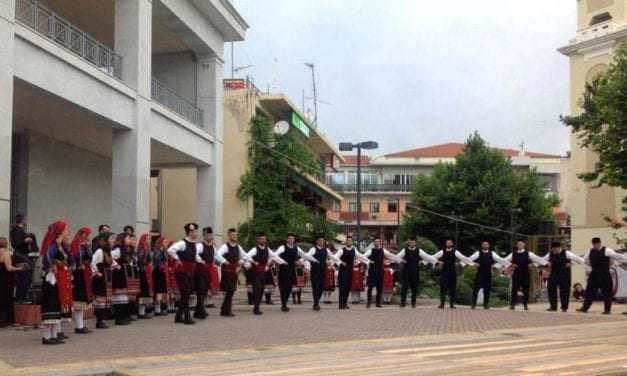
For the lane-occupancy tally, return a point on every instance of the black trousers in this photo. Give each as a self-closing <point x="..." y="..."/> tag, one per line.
<point x="563" y="283"/>
<point x="185" y="284"/>
<point x="228" y="284"/>
<point x="448" y="285"/>
<point x="409" y="281"/>
<point x="317" y="285"/>
<point x="520" y="281"/>
<point x="598" y="281"/>
<point x="287" y="279"/>
<point x="258" y="285"/>
<point x="344" y="277"/>
<point x="483" y="281"/>
<point x="378" y="284"/>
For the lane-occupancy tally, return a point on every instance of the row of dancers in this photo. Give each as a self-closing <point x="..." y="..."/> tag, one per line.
<point x="130" y="277"/>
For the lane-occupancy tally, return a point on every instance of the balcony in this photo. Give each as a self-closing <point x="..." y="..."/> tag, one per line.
<point x="352" y="216"/>
<point x="595" y="31"/>
<point x="372" y="187"/>
<point x="176" y="103"/>
<point x="45" y="22"/>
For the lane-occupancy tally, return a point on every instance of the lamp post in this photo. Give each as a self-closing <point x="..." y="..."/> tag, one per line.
<point x="349" y="146"/>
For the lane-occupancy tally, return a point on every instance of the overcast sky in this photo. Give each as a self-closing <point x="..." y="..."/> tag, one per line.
<point x="415" y="73"/>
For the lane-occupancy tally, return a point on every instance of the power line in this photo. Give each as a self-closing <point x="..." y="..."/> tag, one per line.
<point x="455" y="219"/>
<point x="269" y="148"/>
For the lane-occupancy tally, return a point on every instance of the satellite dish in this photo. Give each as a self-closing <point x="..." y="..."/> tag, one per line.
<point x="281" y="128"/>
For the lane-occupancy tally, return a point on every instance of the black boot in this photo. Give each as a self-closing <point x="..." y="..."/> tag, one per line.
<point x="269" y="298"/>
<point x="250" y="298"/>
<point x="100" y="324"/>
<point x="200" y="312"/>
<point x="188" y="319"/>
<point x="118" y="314"/>
<point x="178" y="317"/>
<point x="293" y="298"/>
<point x="298" y="295"/>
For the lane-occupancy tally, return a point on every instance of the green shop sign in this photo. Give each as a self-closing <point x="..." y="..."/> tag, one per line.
<point x="300" y="124"/>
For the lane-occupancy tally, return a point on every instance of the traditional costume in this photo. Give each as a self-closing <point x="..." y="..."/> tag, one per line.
<point x="410" y="275"/>
<point x="388" y="282"/>
<point x="269" y="281"/>
<point x="101" y="264"/>
<point x="348" y="256"/>
<point x="599" y="258"/>
<point x="357" y="283"/>
<point x="146" y="285"/>
<point x="160" y="278"/>
<point x="520" y="260"/>
<point x="124" y="281"/>
<point x="82" y="294"/>
<point x="560" y="275"/>
<point x="329" y="281"/>
<point x="301" y="282"/>
<point x="229" y="256"/>
<point x="486" y="260"/>
<point x="202" y="279"/>
<point x="262" y="257"/>
<point x="448" y="276"/>
<point x="318" y="273"/>
<point x="375" y="271"/>
<point x="287" y="271"/>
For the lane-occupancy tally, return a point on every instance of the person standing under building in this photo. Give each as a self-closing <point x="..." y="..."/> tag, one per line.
<point x="101" y="263"/>
<point x="348" y="255"/>
<point x="82" y="294"/>
<point x="290" y="253"/>
<point x="160" y="277"/>
<point x="486" y="260"/>
<point x="448" y="259"/>
<point x="146" y="286"/>
<point x="317" y="271"/>
<point x="599" y="259"/>
<point x="560" y="261"/>
<point x="18" y="238"/>
<point x="377" y="254"/>
<point x="230" y="255"/>
<point x="263" y="257"/>
<point x="7" y="284"/>
<point x="203" y="277"/>
<point x="411" y="257"/>
<point x="520" y="260"/>
<point x="186" y="254"/>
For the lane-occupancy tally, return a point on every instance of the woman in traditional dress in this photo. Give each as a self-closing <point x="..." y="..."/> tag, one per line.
<point x="80" y="261"/>
<point x="329" y="281"/>
<point x="144" y="264"/>
<point x="56" y="292"/>
<point x="160" y="277"/>
<point x="7" y="284"/>
<point x="357" y="283"/>
<point x="173" y="288"/>
<point x="101" y="264"/>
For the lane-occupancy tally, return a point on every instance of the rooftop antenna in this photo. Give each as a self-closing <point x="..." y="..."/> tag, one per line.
<point x="315" y="95"/>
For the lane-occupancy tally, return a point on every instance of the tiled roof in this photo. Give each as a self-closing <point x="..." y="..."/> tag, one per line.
<point x="452" y="149"/>
<point x="352" y="160"/>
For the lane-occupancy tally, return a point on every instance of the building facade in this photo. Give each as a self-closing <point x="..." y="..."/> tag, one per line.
<point x="387" y="183"/>
<point x="601" y="26"/>
<point x="99" y="95"/>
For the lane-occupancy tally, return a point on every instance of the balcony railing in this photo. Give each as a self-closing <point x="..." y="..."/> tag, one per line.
<point x="176" y="103"/>
<point x="54" y="27"/>
<point x="352" y="216"/>
<point x="372" y="187"/>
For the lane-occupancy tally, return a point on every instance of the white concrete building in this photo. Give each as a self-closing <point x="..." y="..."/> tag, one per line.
<point x="96" y="94"/>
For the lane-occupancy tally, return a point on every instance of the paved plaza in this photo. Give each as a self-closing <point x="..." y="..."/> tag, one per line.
<point x="388" y="340"/>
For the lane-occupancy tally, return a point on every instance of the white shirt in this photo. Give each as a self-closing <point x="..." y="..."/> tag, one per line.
<point x="97" y="258"/>
<point x="180" y="246"/>
<point x="334" y="258"/>
<point x="458" y="254"/>
<point x="243" y="256"/>
<point x="271" y="257"/>
<point x="569" y="255"/>
<point x="300" y="253"/>
<point x="425" y="258"/>
<point x="609" y="252"/>
<point x="386" y="254"/>
<point x="500" y="261"/>
<point x="358" y="255"/>
<point x="532" y="256"/>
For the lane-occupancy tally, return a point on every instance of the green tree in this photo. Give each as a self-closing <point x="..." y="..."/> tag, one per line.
<point x="273" y="161"/>
<point x="602" y="125"/>
<point x="481" y="187"/>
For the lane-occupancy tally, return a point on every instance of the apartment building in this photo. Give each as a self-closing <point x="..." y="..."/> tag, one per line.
<point x="97" y="95"/>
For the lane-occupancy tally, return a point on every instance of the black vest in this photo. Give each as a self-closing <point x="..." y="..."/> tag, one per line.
<point x="348" y="258"/>
<point x="262" y="255"/>
<point x="376" y="256"/>
<point x="208" y="254"/>
<point x="289" y="255"/>
<point x="232" y="253"/>
<point x="106" y="262"/>
<point x="449" y="259"/>
<point x="558" y="263"/>
<point x="189" y="253"/>
<point x="522" y="261"/>
<point x="412" y="258"/>
<point x="598" y="260"/>
<point x="321" y="256"/>
<point x="485" y="262"/>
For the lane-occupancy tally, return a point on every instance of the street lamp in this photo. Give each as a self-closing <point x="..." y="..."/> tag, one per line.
<point x="349" y="146"/>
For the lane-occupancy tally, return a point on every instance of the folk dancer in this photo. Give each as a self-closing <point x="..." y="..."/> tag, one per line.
<point x="123" y="256"/>
<point x="448" y="258"/>
<point x="410" y="276"/>
<point x="318" y="271"/>
<point x="160" y="277"/>
<point x="520" y="260"/>
<point x="229" y="256"/>
<point x="560" y="262"/>
<point x="82" y="294"/>
<point x="349" y="254"/>
<point x="486" y="260"/>
<point x="377" y="254"/>
<point x="146" y="284"/>
<point x="290" y="253"/>
<point x="599" y="259"/>
<point x="202" y="277"/>
<point x="101" y="263"/>
<point x="263" y="257"/>
<point x="388" y="281"/>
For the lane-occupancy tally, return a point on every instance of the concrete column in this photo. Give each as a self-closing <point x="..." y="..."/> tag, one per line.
<point x="7" y="15"/>
<point x="131" y="147"/>
<point x="210" y="100"/>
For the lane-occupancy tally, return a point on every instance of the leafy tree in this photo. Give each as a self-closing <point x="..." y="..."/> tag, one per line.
<point x="273" y="160"/>
<point x="481" y="187"/>
<point x="602" y="126"/>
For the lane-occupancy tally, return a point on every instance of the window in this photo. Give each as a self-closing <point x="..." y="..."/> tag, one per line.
<point x="399" y="179"/>
<point x="335" y="179"/>
<point x="392" y="206"/>
<point x="366" y="178"/>
<point x="352" y="207"/>
<point x="374" y="207"/>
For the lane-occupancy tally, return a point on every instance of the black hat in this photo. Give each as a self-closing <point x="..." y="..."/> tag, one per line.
<point x="207" y="230"/>
<point x="596" y="240"/>
<point x="555" y="244"/>
<point x="190" y="227"/>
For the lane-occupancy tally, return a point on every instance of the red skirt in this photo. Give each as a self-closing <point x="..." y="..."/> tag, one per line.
<point x="301" y="278"/>
<point x="65" y="289"/>
<point x="388" y="280"/>
<point x="214" y="279"/>
<point x="149" y="280"/>
<point x="88" y="278"/>
<point x="357" y="283"/>
<point x="329" y="279"/>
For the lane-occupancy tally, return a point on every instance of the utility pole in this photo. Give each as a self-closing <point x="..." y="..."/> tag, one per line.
<point x="315" y="94"/>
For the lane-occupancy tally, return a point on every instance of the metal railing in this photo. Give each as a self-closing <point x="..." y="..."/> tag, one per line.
<point x="54" y="27"/>
<point x="372" y="187"/>
<point x="169" y="98"/>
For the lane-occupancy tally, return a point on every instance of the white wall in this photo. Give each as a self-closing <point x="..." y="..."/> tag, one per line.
<point x="66" y="182"/>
